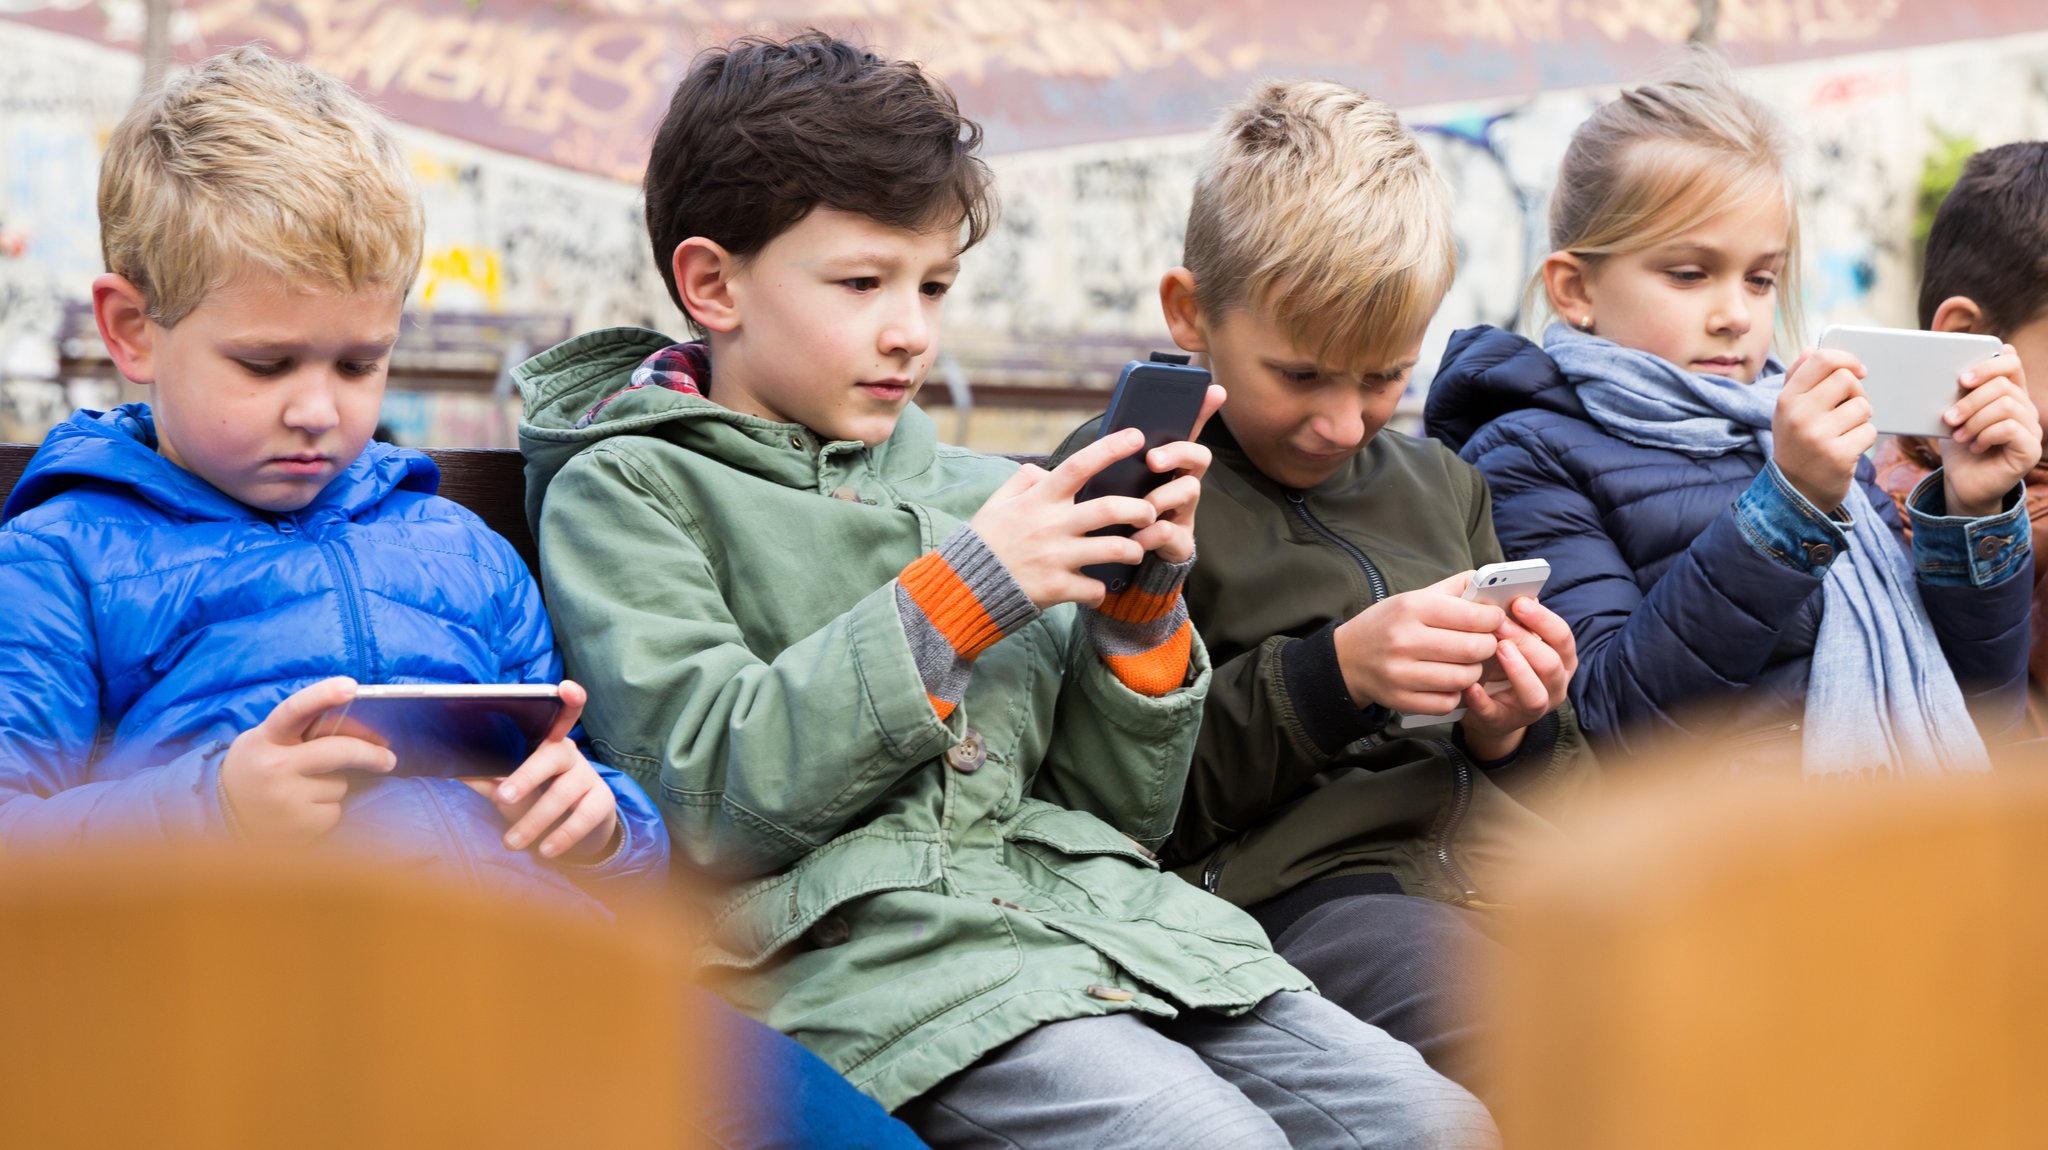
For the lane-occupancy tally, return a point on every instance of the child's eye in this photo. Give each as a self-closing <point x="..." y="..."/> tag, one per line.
<point x="1292" y="375"/>
<point x="863" y="283"/>
<point x="937" y="290"/>
<point x="361" y="368"/>
<point x="265" y="368"/>
<point x="1763" y="281"/>
<point x="1685" y="275"/>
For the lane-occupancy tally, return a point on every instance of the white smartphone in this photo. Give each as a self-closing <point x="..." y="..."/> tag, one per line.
<point x="1499" y="584"/>
<point x="1911" y="376"/>
<point x="450" y="729"/>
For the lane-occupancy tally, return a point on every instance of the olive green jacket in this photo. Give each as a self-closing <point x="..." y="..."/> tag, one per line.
<point x="900" y="893"/>
<point x="1290" y="782"/>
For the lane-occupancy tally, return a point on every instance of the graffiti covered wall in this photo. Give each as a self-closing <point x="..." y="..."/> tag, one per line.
<point x="583" y="84"/>
<point x="1877" y="94"/>
<point x="504" y="233"/>
<point x="1087" y="231"/>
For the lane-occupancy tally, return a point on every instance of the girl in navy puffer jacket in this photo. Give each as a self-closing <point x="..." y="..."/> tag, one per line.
<point x="1714" y="537"/>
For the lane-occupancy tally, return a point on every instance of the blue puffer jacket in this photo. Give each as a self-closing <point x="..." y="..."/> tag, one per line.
<point x="146" y="619"/>
<point x="1683" y="626"/>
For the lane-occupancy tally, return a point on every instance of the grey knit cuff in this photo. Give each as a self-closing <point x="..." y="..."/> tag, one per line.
<point x="1145" y="614"/>
<point x="955" y="603"/>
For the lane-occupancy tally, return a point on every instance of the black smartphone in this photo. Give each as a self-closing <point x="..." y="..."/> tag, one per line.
<point x="1161" y="398"/>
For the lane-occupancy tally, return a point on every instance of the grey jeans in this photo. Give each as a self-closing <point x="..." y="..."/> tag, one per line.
<point x="1402" y="963"/>
<point x="1297" y="1070"/>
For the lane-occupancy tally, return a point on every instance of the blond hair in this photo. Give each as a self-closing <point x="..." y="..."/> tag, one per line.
<point x="1664" y="158"/>
<point x="251" y="163"/>
<point x="1316" y="204"/>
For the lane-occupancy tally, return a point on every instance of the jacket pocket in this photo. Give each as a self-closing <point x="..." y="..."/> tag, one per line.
<point x="1076" y="833"/>
<point x="757" y="920"/>
<point x="1770" y="750"/>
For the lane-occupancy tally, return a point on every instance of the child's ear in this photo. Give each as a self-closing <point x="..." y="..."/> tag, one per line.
<point x="125" y="327"/>
<point x="1959" y="313"/>
<point x="704" y="272"/>
<point x="1564" y="281"/>
<point x="1184" y="318"/>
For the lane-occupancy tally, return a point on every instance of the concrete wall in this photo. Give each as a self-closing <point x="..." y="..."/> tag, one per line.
<point x="1087" y="228"/>
<point x="1086" y="231"/>
<point x="504" y="233"/>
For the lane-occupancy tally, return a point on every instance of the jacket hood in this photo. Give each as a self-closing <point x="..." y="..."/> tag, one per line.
<point x="118" y="448"/>
<point x="562" y="385"/>
<point x="1487" y="373"/>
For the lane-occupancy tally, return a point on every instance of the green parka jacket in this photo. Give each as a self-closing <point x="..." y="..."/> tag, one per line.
<point x="1291" y="783"/>
<point x="899" y="893"/>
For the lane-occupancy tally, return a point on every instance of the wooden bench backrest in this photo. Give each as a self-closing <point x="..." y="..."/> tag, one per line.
<point x="491" y="483"/>
<point x="488" y="481"/>
<point x="437" y="350"/>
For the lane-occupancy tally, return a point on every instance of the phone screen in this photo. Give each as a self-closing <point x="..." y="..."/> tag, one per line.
<point x="1163" y="400"/>
<point x="452" y="736"/>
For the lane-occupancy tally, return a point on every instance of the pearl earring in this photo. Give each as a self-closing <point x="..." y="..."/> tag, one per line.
<point x="1586" y="323"/>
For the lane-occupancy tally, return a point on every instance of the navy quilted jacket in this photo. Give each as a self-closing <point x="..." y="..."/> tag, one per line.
<point x="149" y="619"/>
<point x="1683" y="627"/>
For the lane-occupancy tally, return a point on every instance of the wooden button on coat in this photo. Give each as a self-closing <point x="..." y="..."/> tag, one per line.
<point x="831" y="930"/>
<point x="1110" y="993"/>
<point x="967" y="755"/>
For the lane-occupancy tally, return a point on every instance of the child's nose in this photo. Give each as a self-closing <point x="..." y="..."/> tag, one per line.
<point x="908" y="332"/>
<point x="312" y="407"/>
<point x="1342" y="426"/>
<point x="1731" y="311"/>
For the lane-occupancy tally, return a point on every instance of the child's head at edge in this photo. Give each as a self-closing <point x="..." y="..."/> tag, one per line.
<point x="1318" y="246"/>
<point x="1674" y="227"/>
<point x="260" y="228"/>
<point x="1987" y="256"/>
<point x="807" y="204"/>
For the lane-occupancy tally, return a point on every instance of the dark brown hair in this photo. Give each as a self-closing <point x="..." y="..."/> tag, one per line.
<point x="1989" y="241"/>
<point x="762" y="131"/>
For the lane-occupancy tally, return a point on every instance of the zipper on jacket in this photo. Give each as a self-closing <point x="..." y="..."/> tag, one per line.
<point x="1461" y="790"/>
<point x="351" y="595"/>
<point x="1461" y="802"/>
<point x="1372" y="573"/>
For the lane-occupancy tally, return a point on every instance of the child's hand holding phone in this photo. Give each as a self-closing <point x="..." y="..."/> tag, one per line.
<point x="1419" y="651"/>
<point x="556" y="785"/>
<point x="1172" y="535"/>
<point x="1538" y="656"/>
<point x="1044" y="538"/>
<point x="1997" y="437"/>
<point x="1049" y="537"/>
<point x="1822" y="426"/>
<point x="282" y="785"/>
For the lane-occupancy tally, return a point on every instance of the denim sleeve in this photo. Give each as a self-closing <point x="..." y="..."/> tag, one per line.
<point x="1953" y="551"/>
<point x="1785" y="525"/>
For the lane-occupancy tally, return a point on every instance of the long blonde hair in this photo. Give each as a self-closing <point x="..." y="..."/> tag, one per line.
<point x="1663" y="158"/>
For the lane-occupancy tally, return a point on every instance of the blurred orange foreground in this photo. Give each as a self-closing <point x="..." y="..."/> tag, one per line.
<point x="1751" y="966"/>
<point x="228" y="999"/>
